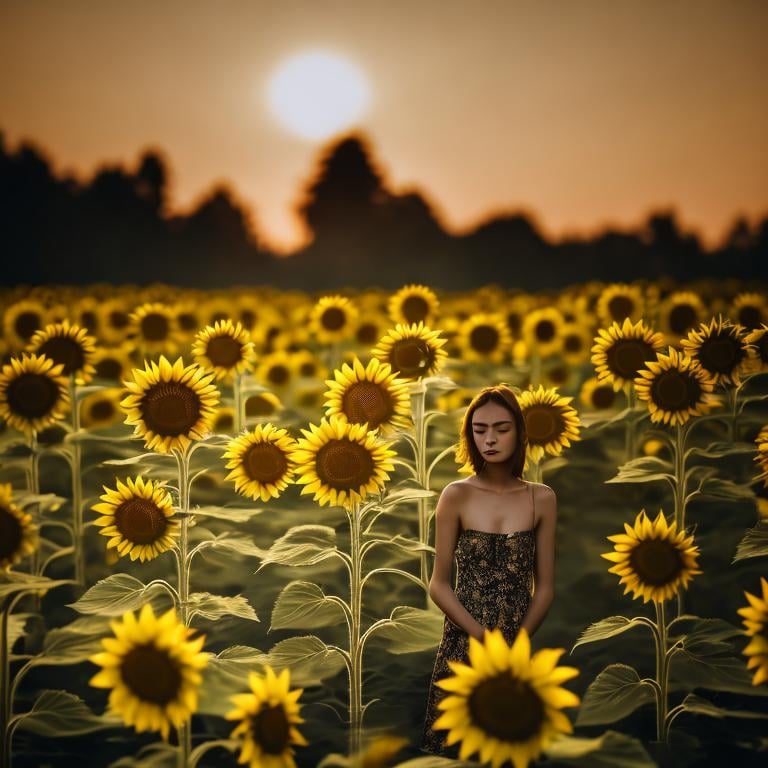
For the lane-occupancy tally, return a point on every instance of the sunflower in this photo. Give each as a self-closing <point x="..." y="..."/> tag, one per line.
<point x="69" y="345"/>
<point x="332" y="319"/>
<point x="619" y="302"/>
<point x="188" y="318"/>
<point x="575" y="342"/>
<point x="101" y="409"/>
<point x="138" y="519"/>
<point x="484" y="337"/>
<point x="113" y="363"/>
<point x="307" y="365"/>
<point x="506" y="703"/>
<point x="223" y="421"/>
<point x="380" y="752"/>
<point x="412" y="351"/>
<point x="86" y="314"/>
<point x="720" y="348"/>
<point x="170" y="404"/>
<point x="653" y="559"/>
<point x="262" y="405"/>
<point x="514" y="311"/>
<point x="154" y="328"/>
<point x="679" y="313"/>
<point x="757" y="342"/>
<point x="597" y="395"/>
<point x="224" y="347"/>
<point x="370" y="395"/>
<point x="33" y="393"/>
<point x="341" y="463"/>
<point x="21" y="320"/>
<point x="541" y="330"/>
<point x="262" y="462"/>
<point x="621" y="351"/>
<point x="276" y="370"/>
<point x="268" y="719"/>
<point x="551" y="423"/>
<point x="413" y="304"/>
<point x="755" y="620"/>
<point x="114" y="320"/>
<point x="18" y="534"/>
<point x="675" y="388"/>
<point x="749" y="309"/>
<point x="369" y="329"/>
<point x="153" y="669"/>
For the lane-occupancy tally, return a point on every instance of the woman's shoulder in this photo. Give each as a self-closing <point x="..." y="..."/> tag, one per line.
<point x="541" y="489"/>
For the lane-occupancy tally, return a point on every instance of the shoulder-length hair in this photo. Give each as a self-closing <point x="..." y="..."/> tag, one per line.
<point x="467" y="450"/>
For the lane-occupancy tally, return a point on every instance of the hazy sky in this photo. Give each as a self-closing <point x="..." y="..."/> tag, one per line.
<point x="582" y="112"/>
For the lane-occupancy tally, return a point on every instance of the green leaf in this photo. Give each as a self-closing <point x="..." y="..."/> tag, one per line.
<point x="59" y="713"/>
<point x="609" y="750"/>
<point x="705" y="636"/>
<point x="754" y="543"/>
<point x="302" y="545"/>
<point x="12" y="582"/>
<point x="595" y="422"/>
<point x="45" y="501"/>
<point x="439" y="382"/>
<point x="215" y="607"/>
<point x="157" y="755"/>
<point x="303" y="605"/>
<point x="404" y="543"/>
<point x="719" y="450"/>
<point x="17" y="625"/>
<point x="310" y="660"/>
<point x="233" y="514"/>
<point x="615" y="693"/>
<point x="242" y="545"/>
<point x="73" y="643"/>
<point x="411" y="630"/>
<point x="706" y="666"/>
<point x="721" y="488"/>
<point x="643" y="469"/>
<point x="117" y="594"/>
<point x="605" y="628"/>
<point x="699" y="706"/>
<point x="131" y="459"/>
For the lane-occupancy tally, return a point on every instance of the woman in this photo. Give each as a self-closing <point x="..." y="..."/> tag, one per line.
<point x="501" y="530"/>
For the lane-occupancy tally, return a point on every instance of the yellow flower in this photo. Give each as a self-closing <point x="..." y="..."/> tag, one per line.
<point x="154" y="328"/>
<point x="653" y="559"/>
<point x="542" y="329"/>
<point x="18" y="534"/>
<point x="101" y="409"/>
<point x="622" y="350"/>
<point x="413" y="304"/>
<point x="761" y="457"/>
<point x="506" y="703"/>
<point x="333" y="319"/>
<point x="679" y="313"/>
<point x="720" y="348"/>
<point x="275" y="370"/>
<point x="223" y="347"/>
<point x="755" y="620"/>
<point x="597" y="395"/>
<point x="137" y="518"/>
<point x="21" y="320"/>
<point x="170" y="405"/>
<point x="413" y="351"/>
<point x="619" y="302"/>
<point x="551" y="423"/>
<point x="263" y="405"/>
<point x="341" y="463"/>
<point x="268" y="718"/>
<point x="113" y="363"/>
<point x="749" y="309"/>
<point x="757" y="342"/>
<point x="114" y="320"/>
<point x="370" y="395"/>
<point x="261" y="461"/>
<point x="675" y="388"/>
<point x="153" y="669"/>
<point x="33" y="393"/>
<point x="484" y="337"/>
<point x="575" y="342"/>
<point x="69" y="345"/>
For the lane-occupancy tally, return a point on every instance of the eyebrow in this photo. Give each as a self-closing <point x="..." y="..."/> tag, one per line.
<point x="495" y="423"/>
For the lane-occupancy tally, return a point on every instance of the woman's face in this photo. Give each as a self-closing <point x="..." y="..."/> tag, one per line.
<point x="495" y="432"/>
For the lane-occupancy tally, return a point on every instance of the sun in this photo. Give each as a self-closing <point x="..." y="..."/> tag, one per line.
<point x="317" y="93"/>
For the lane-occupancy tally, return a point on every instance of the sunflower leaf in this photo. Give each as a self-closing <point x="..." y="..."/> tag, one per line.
<point x="233" y="514"/>
<point x="310" y="660"/>
<point x="643" y="469"/>
<point x="718" y="450"/>
<point x="302" y="545"/>
<point x="754" y="543"/>
<point x="131" y="459"/>
<point x="17" y="624"/>
<point x="157" y="755"/>
<point x="73" y="643"/>
<point x="45" y="501"/>
<point x="608" y="750"/>
<point x="117" y="594"/>
<point x="615" y="693"/>
<point x="699" y="706"/>
<point x="215" y="607"/>
<point x="605" y="628"/>
<point x="60" y="713"/>
<point x="303" y="605"/>
<point x="411" y="630"/>
<point x="721" y="488"/>
<point x="15" y="581"/>
<point x="707" y="666"/>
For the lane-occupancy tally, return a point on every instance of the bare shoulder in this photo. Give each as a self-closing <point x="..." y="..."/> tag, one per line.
<point x="455" y="489"/>
<point x="545" y="500"/>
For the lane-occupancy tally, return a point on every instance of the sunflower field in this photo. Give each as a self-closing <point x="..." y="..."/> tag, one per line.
<point x="217" y="525"/>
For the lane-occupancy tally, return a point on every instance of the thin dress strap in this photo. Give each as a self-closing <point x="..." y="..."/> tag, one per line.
<point x="533" y="505"/>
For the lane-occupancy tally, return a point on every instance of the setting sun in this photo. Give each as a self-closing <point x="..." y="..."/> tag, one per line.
<point x="316" y="94"/>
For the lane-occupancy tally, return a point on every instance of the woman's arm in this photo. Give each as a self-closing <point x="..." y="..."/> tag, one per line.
<point x="447" y="525"/>
<point x="544" y="576"/>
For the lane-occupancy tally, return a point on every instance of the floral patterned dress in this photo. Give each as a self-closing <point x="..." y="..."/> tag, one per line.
<point x="494" y="580"/>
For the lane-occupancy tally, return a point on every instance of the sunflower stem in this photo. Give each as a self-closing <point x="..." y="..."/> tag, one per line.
<point x="356" y="594"/>
<point x="680" y="485"/>
<point x="629" y="441"/>
<point x="418" y="397"/>
<point x="6" y="701"/>
<point x="237" y="392"/>
<point x="77" y="487"/>
<point x="535" y="375"/>
<point x="33" y="477"/>
<point x="662" y="671"/>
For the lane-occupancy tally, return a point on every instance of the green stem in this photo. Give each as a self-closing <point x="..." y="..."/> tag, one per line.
<point x="356" y="594"/>
<point x="418" y="397"/>
<point x="5" y="680"/>
<point x="662" y="671"/>
<point x="731" y="394"/>
<point x="681" y="432"/>
<point x="629" y="440"/>
<point x="237" y="392"/>
<point x="77" y="487"/>
<point x="535" y="376"/>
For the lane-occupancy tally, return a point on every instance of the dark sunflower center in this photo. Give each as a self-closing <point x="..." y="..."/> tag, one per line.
<point x="367" y="333"/>
<point x="140" y="520"/>
<point x="333" y="319"/>
<point x="544" y="330"/>
<point x="366" y="401"/>
<point x="224" y="422"/>
<point x="484" y="339"/>
<point x="750" y="316"/>
<point x="26" y="324"/>
<point x="681" y="318"/>
<point x="64" y="350"/>
<point x="573" y="343"/>
<point x="675" y="390"/>
<point x="344" y="465"/>
<point x="32" y="395"/>
<point x="720" y="354"/>
<point x="265" y="463"/>
<point x="620" y="307"/>
<point x="108" y="368"/>
<point x="247" y="318"/>
<point x="170" y="408"/>
<point x="506" y="708"/>
<point x="514" y="322"/>
<point x="10" y="534"/>
<point x="656" y="562"/>
<point x="187" y="321"/>
<point x="224" y="351"/>
<point x="543" y="423"/>
<point x="271" y="730"/>
<point x="258" y="406"/>
<point x="155" y="327"/>
<point x="278" y="374"/>
<point x="89" y="321"/>
<point x="558" y="374"/>
<point x="102" y="410"/>
<point x="118" y="319"/>
<point x="414" y="309"/>
<point x="308" y="369"/>
<point x="625" y="357"/>
<point x="151" y="674"/>
<point x="411" y="357"/>
<point x="603" y="397"/>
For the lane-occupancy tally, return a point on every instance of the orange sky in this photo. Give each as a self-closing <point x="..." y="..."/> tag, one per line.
<point x="582" y="113"/>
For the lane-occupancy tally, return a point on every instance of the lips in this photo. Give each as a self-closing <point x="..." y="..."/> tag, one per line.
<point x="490" y="453"/>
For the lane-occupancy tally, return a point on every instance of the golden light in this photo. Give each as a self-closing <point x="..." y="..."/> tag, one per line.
<point x="317" y="94"/>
